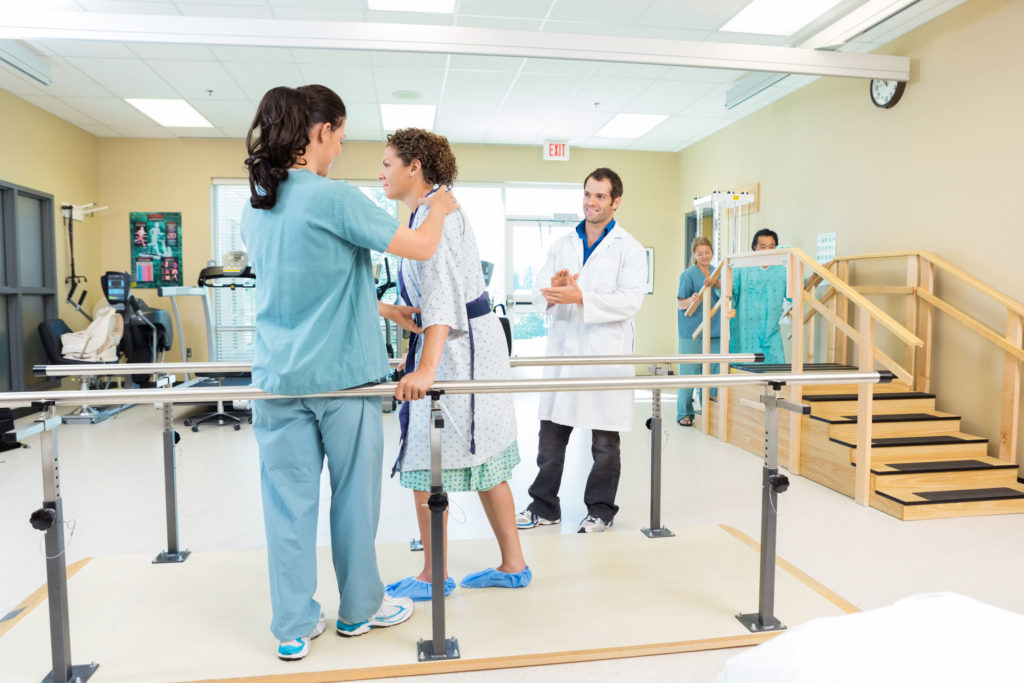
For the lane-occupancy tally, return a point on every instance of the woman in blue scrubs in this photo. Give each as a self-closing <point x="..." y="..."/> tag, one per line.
<point x="309" y="241"/>
<point x="691" y="281"/>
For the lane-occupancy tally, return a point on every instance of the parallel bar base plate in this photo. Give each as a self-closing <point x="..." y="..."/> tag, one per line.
<point x="79" y="674"/>
<point x="172" y="558"/>
<point x="660" y="532"/>
<point x="94" y="414"/>
<point x="753" y="623"/>
<point x="425" y="650"/>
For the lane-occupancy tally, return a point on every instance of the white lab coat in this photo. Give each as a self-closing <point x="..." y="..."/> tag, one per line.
<point x="613" y="282"/>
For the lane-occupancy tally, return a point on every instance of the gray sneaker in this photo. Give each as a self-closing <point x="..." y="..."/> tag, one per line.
<point x="593" y="525"/>
<point x="527" y="520"/>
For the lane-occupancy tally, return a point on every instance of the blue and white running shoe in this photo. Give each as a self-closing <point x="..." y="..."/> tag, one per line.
<point x="299" y="648"/>
<point x="392" y="611"/>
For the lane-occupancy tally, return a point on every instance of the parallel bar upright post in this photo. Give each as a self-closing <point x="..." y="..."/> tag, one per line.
<point x="170" y="440"/>
<point x="656" y="530"/>
<point x="438" y="647"/>
<point x="56" y="560"/>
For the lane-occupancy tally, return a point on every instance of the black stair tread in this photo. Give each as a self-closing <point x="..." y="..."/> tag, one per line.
<point x="957" y="495"/>
<point x="888" y="417"/>
<point x="786" y="367"/>
<point x="927" y="440"/>
<point x="886" y="396"/>
<point x="940" y="466"/>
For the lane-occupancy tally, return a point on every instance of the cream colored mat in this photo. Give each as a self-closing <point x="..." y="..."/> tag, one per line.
<point x="616" y="594"/>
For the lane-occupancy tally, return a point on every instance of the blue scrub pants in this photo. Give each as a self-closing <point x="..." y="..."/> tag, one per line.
<point x="294" y="435"/>
<point x="684" y="398"/>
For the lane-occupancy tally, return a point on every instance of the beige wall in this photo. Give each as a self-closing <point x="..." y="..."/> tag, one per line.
<point x="940" y="171"/>
<point x="175" y="175"/>
<point x="48" y="154"/>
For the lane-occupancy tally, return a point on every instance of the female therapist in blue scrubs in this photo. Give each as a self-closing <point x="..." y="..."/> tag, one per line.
<point x="690" y="283"/>
<point x="316" y="331"/>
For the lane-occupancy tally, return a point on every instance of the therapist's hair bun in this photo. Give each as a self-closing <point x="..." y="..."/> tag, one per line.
<point x="283" y="120"/>
<point x="435" y="154"/>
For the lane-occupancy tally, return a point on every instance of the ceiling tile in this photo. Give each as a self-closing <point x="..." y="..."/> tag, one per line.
<point x="425" y="81"/>
<point x="110" y="111"/>
<point x="175" y="51"/>
<point x="69" y="81"/>
<point x="252" y="55"/>
<point x="322" y="4"/>
<point x="362" y="115"/>
<point x="465" y="120"/>
<point x="101" y="131"/>
<point x="484" y="63"/>
<point x="476" y="88"/>
<point x="502" y="23"/>
<point x="129" y="7"/>
<point x="124" y="77"/>
<point x="409" y="60"/>
<point x="60" y="108"/>
<point x="418" y="18"/>
<point x="196" y="79"/>
<point x="594" y="28"/>
<point x="257" y="81"/>
<point x="607" y="11"/>
<point x="333" y="58"/>
<point x="318" y="14"/>
<point x="749" y="39"/>
<point x="650" y="71"/>
<point x="353" y="84"/>
<point x="653" y="146"/>
<point x="194" y="9"/>
<point x="14" y="81"/>
<point x="225" y="113"/>
<point x="711" y="105"/>
<point x="154" y="131"/>
<point x="574" y="125"/>
<point x="607" y="94"/>
<point x="533" y="9"/>
<point x="689" y="73"/>
<point x="196" y="133"/>
<point x="83" y="48"/>
<point x="691" y="15"/>
<point x="662" y="33"/>
<point x="537" y="65"/>
<point x="548" y="90"/>
<point x="668" y="97"/>
<point x="680" y="128"/>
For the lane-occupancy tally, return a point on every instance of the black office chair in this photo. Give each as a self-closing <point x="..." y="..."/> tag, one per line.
<point x="50" y="332"/>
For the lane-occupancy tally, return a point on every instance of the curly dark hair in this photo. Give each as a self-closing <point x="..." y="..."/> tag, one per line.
<point x="283" y="119"/>
<point x="435" y="154"/>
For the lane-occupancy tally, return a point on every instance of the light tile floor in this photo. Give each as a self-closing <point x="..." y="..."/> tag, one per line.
<point x="112" y="488"/>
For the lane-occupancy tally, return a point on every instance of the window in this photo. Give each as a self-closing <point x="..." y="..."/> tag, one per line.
<point x="233" y="310"/>
<point x="28" y="284"/>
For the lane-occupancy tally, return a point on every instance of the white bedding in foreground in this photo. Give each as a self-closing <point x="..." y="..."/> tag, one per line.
<point x="932" y="638"/>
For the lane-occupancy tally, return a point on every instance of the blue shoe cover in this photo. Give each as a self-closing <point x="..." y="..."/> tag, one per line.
<point x="492" y="578"/>
<point x="419" y="591"/>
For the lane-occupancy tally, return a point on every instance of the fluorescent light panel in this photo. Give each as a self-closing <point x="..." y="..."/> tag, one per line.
<point x="170" y="113"/>
<point x="777" y="17"/>
<point x="627" y="126"/>
<point x="435" y="6"/>
<point x="395" y="116"/>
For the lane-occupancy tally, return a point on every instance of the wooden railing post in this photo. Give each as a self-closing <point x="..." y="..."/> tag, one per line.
<point x="865" y="395"/>
<point x="830" y="343"/>
<point x="796" y="292"/>
<point x="923" y="369"/>
<point x="1011" y="389"/>
<point x="842" y="311"/>
<point x="913" y="279"/>
<point x="723" y="368"/>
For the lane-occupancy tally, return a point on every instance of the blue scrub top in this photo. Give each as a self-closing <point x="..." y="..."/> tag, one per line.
<point x="581" y="231"/>
<point x="690" y="282"/>
<point x="317" y="325"/>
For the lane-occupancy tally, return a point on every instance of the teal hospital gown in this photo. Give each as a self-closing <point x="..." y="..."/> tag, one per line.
<point x="758" y="295"/>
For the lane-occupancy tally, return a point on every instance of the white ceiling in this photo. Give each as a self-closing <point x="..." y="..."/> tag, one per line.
<point x="480" y="99"/>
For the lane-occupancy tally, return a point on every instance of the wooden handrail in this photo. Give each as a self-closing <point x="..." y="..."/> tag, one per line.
<point x="971" y="323"/>
<point x="711" y="314"/>
<point x="692" y="308"/>
<point x="859" y="300"/>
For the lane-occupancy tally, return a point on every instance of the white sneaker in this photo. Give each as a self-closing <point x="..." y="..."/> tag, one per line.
<point x="527" y="520"/>
<point x="392" y="611"/>
<point x="297" y="649"/>
<point x="593" y="525"/>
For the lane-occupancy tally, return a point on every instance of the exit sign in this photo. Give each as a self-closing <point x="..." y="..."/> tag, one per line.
<point x="556" y="151"/>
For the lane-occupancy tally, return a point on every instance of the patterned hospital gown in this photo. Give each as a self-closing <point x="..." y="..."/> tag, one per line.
<point x="441" y="287"/>
<point x="758" y="296"/>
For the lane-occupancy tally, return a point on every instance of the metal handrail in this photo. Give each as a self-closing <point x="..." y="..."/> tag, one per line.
<point x="206" y="394"/>
<point x="524" y="361"/>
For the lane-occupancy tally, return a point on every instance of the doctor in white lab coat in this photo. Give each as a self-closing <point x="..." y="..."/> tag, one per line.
<point x="590" y="289"/>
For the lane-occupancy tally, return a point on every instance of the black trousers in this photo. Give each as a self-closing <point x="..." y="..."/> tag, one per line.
<point x="602" y="484"/>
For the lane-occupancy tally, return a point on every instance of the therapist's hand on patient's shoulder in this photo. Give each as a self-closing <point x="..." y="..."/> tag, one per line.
<point x="415" y="385"/>
<point x="442" y="200"/>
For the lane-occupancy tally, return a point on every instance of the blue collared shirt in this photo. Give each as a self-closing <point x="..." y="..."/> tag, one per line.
<point x="582" y="232"/>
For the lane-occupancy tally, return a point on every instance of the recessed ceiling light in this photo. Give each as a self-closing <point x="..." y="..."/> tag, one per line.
<point x="777" y="17"/>
<point x="395" y="116"/>
<point x="170" y="113"/>
<point x="435" y="6"/>
<point x="630" y="125"/>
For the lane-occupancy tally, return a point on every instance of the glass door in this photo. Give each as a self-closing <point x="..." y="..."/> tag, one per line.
<point x="529" y="240"/>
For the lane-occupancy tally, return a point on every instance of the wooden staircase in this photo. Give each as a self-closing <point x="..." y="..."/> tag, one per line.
<point x="923" y="466"/>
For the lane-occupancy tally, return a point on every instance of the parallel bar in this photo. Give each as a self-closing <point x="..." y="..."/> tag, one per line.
<point x="170" y="441"/>
<point x="510" y="386"/>
<point x="525" y="361"/>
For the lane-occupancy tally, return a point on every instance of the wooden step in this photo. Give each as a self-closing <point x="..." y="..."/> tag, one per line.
<point x="937" y="447"/>
<point x="885" y="402"/>
<point x="909" y="501"/>
<point x="888" y="425"/>
<point x="979" y="472"/>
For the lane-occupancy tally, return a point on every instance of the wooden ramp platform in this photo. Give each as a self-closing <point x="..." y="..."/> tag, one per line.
<point x="596" y="596"/>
